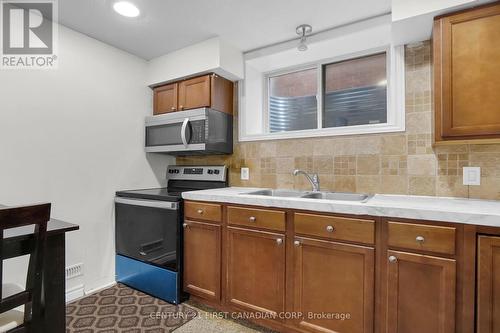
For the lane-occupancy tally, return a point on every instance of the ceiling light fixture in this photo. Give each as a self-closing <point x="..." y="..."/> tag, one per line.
<point x="303" y="31"/>
<point x="126" y="8"/>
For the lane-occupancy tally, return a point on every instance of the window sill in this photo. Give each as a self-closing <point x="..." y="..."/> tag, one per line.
<point x="339" y="131"/>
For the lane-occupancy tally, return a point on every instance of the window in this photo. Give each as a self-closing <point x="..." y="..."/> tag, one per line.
<point x="292" y="101"/>
<point x="345" y="84"/>
<point x="353" y="93"/>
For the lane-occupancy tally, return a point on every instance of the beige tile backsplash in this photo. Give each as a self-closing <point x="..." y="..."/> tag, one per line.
<point x="395" y="163"/>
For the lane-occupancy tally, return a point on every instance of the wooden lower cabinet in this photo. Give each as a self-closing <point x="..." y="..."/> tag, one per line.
<point x="488" y="284"/>
<point x="255" y="271"/>
<point x="336" y="280"/>
<point x="202" y="260"/>
<point x="409" y="277"/>
<point x="420" y="293"/>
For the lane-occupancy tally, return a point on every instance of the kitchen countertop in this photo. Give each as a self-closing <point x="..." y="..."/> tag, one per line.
<point x="460" y="210"/>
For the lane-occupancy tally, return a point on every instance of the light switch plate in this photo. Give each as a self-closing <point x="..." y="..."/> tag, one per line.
<point x="245" y="173"/>
<point x="472" y="176"/>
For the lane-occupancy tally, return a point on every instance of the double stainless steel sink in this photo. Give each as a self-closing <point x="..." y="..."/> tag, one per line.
<point x="339" y="196"/>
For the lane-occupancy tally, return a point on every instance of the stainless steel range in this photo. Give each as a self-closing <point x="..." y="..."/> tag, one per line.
<point x="148" y="228"/>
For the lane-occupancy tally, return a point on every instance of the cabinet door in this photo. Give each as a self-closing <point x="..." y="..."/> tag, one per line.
<point x="333" y="279"/>
<point x="202" y="260"/>
<point x="421" y="293"/>
<point x="488" y="285"/>
<point x="194" y="93"/>
<point x="255" y="270"/>
<point x="165" y="99"/>
<point x="466" y="64"/>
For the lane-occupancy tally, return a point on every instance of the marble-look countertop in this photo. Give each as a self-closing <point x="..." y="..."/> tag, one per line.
<point x="460" y="210"/>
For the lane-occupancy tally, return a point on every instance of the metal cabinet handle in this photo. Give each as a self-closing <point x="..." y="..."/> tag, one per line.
<point x="420" y="239"/>
<point x="296" y="243"/>
<point x="329" y="228"/>
<point x="183" y="131"/>
<point x="184" y="225"/>
<point x="181" y="107"/>
<point x="252" y="219"/>
<point x="172" y="108"/>
<point x="393" y="259"/>
<point x="200" y="211"/>
<point x="142" y="253"/>
<point x="279" y="241"/>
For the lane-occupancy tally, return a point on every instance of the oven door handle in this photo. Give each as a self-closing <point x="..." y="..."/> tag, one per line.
<point x="183" y="132"/>
<point x="148" y="203"/>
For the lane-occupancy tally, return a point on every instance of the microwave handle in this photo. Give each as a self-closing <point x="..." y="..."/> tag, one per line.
<point x="183" y="131"/>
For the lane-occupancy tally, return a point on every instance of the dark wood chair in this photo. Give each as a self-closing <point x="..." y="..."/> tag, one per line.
<point x="29" y="320"/>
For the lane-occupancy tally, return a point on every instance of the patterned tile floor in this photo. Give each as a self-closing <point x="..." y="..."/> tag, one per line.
<point x="120" y="309"/>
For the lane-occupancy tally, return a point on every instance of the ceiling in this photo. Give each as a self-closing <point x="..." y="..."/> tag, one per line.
<point x="168" y="25"/>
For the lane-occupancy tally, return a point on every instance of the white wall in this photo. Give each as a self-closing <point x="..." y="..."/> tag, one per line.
<point x="72" y="137"/>
<point x="211" y="55"/>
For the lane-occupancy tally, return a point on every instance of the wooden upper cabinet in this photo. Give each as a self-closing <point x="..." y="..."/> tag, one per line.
<point x="165" y="99"/>
<point x="466" y="51"/>
<point x="194" y="93"/>
<point x="420" y="293"/>
<point x="488" y="285"/>
<point x="255" y="271"/>
<point x="208" y="90"/>
<point x="202" y="260"/>
<point x="331" y="278"/>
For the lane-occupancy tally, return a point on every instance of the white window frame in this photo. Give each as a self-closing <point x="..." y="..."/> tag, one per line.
<point x="395" y="99"/>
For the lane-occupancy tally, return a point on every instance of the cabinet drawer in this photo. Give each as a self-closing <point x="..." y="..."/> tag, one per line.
<point x="203" y="211"/>
<point x="339" y="228"/>
<point x="259" y="218"/>
<point x="422" y="237"/>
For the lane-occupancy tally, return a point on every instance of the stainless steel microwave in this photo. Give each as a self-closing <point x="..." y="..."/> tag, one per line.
<point x="191" y="132"/>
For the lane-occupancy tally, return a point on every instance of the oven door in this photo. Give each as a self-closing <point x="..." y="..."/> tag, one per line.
<point x="149" y="231"/>
<point x="177" y="131"/>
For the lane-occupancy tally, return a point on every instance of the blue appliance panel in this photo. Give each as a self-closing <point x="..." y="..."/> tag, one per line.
<point x="156" y="281"/>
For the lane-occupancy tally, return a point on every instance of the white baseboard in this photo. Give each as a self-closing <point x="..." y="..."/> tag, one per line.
<point x="79" y="291"/>
<point x="75" y="293"/>
<point x="94" y="290"/>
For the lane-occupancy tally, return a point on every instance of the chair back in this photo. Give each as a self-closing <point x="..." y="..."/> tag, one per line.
<point x="31" y="297"/>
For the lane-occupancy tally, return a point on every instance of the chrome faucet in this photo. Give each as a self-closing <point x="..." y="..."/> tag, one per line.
<point x="313" y="179"/>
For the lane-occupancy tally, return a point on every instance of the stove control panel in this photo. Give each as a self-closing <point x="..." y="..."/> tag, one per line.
<point x="189" y="172"/>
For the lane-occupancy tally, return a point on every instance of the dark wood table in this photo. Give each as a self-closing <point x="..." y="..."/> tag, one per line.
<point x="19" y="241"/>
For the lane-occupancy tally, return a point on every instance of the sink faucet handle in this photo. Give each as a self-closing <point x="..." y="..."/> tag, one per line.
<point x="314" y="179"/>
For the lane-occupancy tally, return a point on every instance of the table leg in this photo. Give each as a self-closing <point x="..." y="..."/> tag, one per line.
<point x="54" y="284"/>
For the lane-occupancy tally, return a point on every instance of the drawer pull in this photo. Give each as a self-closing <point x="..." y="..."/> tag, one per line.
<point x="296" y="243"/>
<point x="393" y="259"/>
<point x="172" y="108"/>
<point x="329" y="228"/>
<point x="420" y="239"/>
<point x="184" y="225"/>
<point x="279" y="241"/>
<point x="200" y="211"/>
<point x="252" y="219"/>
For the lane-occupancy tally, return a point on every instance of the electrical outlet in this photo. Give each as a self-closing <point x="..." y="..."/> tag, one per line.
<point x="245" y="173"/>
<point x="472" y="176"/>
